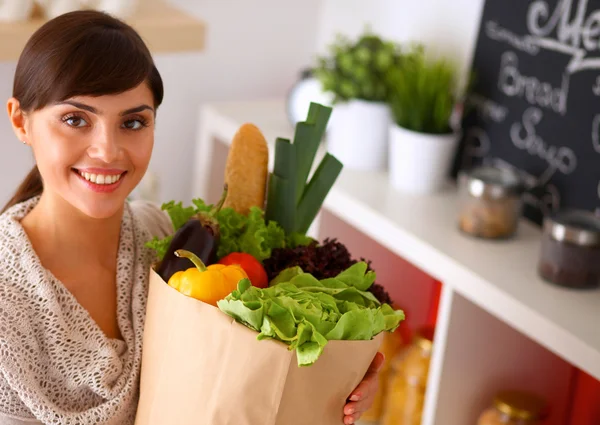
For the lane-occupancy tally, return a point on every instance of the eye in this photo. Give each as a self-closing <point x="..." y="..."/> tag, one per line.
<point x="135" y="124"/>
<point x="75" y="121"/>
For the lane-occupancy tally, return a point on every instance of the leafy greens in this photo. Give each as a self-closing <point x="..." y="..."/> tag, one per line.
<point x="238" y="233"/>
<point x="305" y="312"/>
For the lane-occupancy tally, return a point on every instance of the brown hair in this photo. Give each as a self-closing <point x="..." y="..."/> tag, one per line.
<point x="82" y="53"/>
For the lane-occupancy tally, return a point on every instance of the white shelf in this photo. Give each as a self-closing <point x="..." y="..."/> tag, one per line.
<point x="499" y="277"/>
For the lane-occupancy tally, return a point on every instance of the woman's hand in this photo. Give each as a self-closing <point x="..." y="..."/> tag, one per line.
<point x="362" y="397"/>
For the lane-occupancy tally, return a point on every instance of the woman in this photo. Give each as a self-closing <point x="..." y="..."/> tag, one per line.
<point x="73" y="266"/>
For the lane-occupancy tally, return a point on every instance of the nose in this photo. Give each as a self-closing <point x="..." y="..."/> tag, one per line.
<point x="104" y="145"/>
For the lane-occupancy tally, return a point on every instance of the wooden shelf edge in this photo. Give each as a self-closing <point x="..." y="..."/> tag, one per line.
<point x="164" y="28"/>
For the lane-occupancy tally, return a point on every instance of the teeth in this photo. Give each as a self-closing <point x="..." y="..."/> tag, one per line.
<point x="101" y="178"/>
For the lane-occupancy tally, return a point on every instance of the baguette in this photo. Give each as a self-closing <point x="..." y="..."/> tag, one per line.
<point x="246" y="170"/>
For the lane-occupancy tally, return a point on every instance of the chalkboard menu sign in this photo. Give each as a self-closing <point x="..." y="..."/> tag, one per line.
<point x="535" y="102"/>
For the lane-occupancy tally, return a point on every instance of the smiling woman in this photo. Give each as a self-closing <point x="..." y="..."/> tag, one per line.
<point x="73" y="265"/>
<point x="68" y="59"/>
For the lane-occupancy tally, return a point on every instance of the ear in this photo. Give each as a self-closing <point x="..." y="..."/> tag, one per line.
<point x="17" y="119"/>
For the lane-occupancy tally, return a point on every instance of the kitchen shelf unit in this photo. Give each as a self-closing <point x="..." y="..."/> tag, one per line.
<point x="499" y="325"/>
<point x="165" y="29"/>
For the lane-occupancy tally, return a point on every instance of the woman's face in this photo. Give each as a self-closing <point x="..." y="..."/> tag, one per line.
<point x="93" y="151"/>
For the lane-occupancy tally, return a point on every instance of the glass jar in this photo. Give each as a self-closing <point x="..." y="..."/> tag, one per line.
<point x="490" y="202"/>
<point x="514" y="408"/>
<point x="408" y="382"/>
<point x="570" y="252"/>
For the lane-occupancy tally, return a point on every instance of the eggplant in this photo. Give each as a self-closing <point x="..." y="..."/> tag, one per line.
<point x="200" y="235"/>
<point x="195" y="237"/>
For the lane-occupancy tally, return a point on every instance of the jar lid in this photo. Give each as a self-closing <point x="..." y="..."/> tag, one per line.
<point x="492" y="182"/>
<point x="520" y="405"/>
<point x="575" y="226"/>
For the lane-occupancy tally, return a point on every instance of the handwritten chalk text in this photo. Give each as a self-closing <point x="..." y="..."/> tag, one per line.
<point x="523" y="136"/>
<point x="577" y="36"/>
<point x="596" y="133"/>
<point x="524" y="43"/>
<point x="512" y="83"/>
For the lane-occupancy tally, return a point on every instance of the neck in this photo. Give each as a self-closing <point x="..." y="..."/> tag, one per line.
<point x="66" y="230"/>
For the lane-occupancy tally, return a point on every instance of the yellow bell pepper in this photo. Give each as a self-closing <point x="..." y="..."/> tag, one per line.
<point x="208" y="284"/>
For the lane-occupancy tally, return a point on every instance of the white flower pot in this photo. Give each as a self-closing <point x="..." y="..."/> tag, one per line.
<point x="420" y="163"/>
<point x="15" y="10"/>
<point x="358" y="134"/>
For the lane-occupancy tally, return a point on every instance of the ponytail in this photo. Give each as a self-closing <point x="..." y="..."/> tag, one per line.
<point x="30" y="187"/>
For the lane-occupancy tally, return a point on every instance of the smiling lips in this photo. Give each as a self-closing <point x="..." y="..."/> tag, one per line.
<point x="101" y="180"/>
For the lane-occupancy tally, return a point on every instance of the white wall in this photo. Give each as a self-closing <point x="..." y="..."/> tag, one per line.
<point x="15" y="158"/>
<point x="254" y="50"/>
<point x="446" y="27"/>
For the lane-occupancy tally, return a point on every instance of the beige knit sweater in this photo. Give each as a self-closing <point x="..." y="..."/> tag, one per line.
<point x="56" y="364"/>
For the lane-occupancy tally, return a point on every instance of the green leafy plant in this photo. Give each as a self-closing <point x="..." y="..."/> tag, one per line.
<point x="357" y="69"/>
<point x="423" y="92"/>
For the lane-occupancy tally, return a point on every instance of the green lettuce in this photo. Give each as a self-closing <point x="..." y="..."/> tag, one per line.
<point x="249" y="234"/>
<point x="259" y="238"/>
<point x="160" y="245"/>
<point x="239" y="233"/>
<point x="179" y="216"/>
<point x="305" y="312"/>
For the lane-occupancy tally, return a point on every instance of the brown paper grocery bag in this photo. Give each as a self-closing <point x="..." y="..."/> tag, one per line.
<point x="201" y="367"/>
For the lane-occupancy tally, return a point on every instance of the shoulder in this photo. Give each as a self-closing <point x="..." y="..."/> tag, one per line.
<point x="152" y="217"/>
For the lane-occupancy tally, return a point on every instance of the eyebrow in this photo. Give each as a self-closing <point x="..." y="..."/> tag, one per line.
<point x="79" y="105"/>
<point x="137" y="109"/>
<point x="95" y="111"/>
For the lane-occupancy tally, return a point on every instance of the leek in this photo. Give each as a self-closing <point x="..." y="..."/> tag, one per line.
<point x="291" y="200"/>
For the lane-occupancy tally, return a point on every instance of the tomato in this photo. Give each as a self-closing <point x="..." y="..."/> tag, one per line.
<point x="253" y="268"/>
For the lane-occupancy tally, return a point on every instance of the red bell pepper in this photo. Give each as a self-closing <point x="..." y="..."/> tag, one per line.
<point x="253" y="268"/>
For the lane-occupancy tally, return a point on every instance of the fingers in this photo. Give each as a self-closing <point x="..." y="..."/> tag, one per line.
<point x="349" y="420"/>
<point x="365" y="389"/>
<point x="354" y="410"/>
<point x="363" y="396"/>
<point x="360" y="406"/>
<point x="369" y="383"/>
<point x="376" y="364"/>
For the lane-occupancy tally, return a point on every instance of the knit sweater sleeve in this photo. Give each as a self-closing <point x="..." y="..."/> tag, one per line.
<point x="56" y="364"/>
<point x="156" y="221"/>
<point x="12" y="410"/>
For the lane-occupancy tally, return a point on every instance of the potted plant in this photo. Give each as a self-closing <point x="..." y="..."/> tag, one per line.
<point x="423" y="94"/>
<point x="354" y="74"/>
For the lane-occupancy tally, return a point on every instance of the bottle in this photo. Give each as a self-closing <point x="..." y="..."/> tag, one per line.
<point x="408" y="382"/>
<point x="514" y="408"/>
